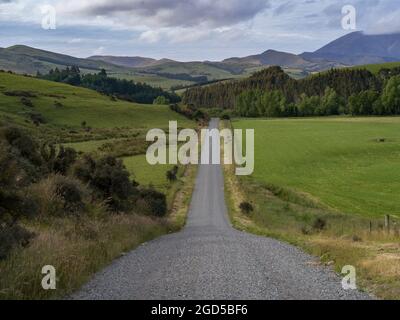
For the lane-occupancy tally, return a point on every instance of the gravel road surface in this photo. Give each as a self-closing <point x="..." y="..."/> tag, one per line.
<point x="211" y="260"/>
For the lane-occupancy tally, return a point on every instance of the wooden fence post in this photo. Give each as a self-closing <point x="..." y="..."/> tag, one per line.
<point x="387" y="223"/>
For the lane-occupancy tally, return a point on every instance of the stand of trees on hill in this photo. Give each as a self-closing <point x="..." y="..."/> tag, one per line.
<point x="272" y="93"/>
<point x="101" y="82"/>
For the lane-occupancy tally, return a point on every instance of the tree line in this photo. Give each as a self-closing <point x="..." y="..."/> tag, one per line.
<point x="272" y="93"/>
<point x="101" y="82"/>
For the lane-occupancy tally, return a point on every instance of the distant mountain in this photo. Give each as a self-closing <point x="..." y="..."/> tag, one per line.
<point x="270" y="57"/>
<point x="28" y="60"/>
<point x="24" y="59"/>
<point x="358" y="48"/>
<point x="130" y="62"/>
<point x="353" y="49"/>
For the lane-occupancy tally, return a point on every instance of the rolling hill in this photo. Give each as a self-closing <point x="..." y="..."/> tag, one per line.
<point x="128" y="62"/>
<point x="64" y="106"/>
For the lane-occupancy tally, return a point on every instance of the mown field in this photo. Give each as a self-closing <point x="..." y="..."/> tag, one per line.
<point x="349" y="164"/>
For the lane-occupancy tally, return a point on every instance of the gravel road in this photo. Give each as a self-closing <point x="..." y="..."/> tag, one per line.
<point x="211" y="260"/>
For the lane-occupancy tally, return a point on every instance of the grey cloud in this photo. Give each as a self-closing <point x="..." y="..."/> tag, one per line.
<point x="171" y="13"/>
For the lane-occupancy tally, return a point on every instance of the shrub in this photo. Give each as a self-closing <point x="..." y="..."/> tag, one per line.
<point x="14" y="204"/>
<point x="152" y="202"/>
<point x="26" y="102"/>
<point x="171" y="174"/>
<point x="60" y="196"/>
<point x="58" y="104"/>
<point x="37" y="118"/>
<point x="246" y="207"/>
<point x="226" y="116"/>
<point x="58" y="163"/>
<point x="12" y="236"/>
<point x="161" y="100"/>
<point x="19" y="148"/>
<point x="319" y="224"/>
<point x="71" y="194"/>
<point x="109" y="179"/>
<point x="65" y="159"/>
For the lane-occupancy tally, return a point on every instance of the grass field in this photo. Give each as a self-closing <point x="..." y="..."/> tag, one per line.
<point x="337" y="161"/>
<point x="324" y="185"/>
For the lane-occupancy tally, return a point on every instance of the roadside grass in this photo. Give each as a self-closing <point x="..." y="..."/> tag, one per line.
<point x="78" y="248"/>
<point x="342" y="239"/>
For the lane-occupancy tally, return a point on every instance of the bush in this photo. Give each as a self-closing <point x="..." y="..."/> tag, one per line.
<point x="23" y="146"/>
<point x="161" y="100"/>
<point x="37" y="118"/>
<point x="71" y="194"/>
<point x="65" y="159"/>
<point x="109" y="179"/>
<point x="26" y="102"/>
<point x="152" y="202"/>
<point x="246" y="207"/>
<point x="60" y="196"/>
<point x="12" y="236"/>
<point x="58" y="104"/>
<point x="171" y="174"/>
<point x="226" y="116"/>
<point x="14" y="204"/>
<point x="319" y="224"/>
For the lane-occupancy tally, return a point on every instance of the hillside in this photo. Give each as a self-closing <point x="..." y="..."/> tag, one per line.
<point x="65" y="106"/>
<point x="29" y="60"/>
<point x="358" y="48"/>
<point x="26" y="60"/>
<point x="129" y="62"/>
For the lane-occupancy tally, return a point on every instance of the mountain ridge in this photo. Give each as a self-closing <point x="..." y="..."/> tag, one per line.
<point x="352" y="49"/>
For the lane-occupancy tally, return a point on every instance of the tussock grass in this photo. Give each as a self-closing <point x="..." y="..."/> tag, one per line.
<point x="76" y="248"/>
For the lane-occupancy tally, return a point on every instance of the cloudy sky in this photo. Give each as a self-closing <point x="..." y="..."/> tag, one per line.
<point x="188" y="29"/>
